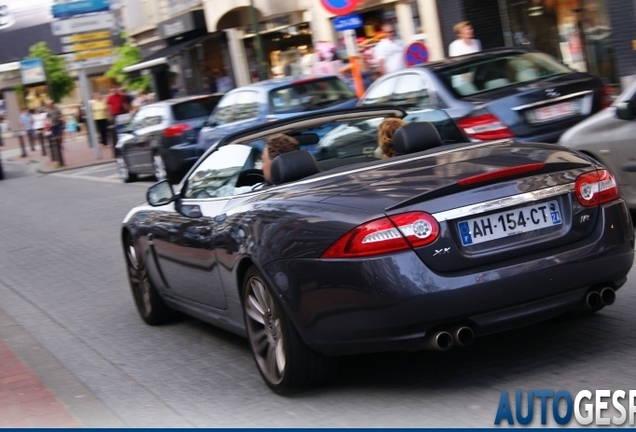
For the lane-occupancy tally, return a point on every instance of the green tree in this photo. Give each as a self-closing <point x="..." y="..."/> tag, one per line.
<point x="127" y="55"/>
<point x="59" y="82"/>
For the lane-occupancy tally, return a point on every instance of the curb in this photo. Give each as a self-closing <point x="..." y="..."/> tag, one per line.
<point x="42" y="170"/>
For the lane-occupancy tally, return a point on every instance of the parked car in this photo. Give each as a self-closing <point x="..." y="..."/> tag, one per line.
<point x="346" y="253"/>
<point x="609" y="136"/>
<point x="161" y="138"/>
<point x="498" y="93"/>
<point x="5" y="15"/>
<point x="274" y="99"/>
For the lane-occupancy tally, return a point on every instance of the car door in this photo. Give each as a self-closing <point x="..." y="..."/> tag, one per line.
<point x="185" y="242"/>
<point x="150" y="136"/>
<point x="130" y="148"/>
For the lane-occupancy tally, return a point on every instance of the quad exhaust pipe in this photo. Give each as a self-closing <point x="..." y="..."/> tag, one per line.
<point x="443" y="340"/>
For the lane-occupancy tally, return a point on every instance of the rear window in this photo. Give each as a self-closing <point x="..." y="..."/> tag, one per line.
<point x="485" y="74"/>
<point x="309" y="95"/>
<point x="200" y="107"/>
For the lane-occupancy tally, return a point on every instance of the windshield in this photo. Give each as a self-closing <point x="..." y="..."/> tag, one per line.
<point x="485" y="74"/>
<point x="309" y="95"/>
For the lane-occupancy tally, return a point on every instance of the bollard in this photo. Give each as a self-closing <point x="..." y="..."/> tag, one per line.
<point x="42" y="143"/>
<point x="22" y="147"/>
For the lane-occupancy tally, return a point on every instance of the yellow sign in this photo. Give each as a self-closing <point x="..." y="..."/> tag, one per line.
<point x="91" y="45"/>
<point x="89" y="36"/>
<point x="104" y="52"/>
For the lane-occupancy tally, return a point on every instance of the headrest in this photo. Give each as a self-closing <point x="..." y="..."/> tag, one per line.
<point x="293" y="166"/>
<point x="415" y="137"/>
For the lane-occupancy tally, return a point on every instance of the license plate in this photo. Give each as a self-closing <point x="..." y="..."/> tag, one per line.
<point x="556" y="111"/>
<point x="508" y="223"/>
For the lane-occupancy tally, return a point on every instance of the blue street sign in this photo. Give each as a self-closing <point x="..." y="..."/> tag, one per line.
<point x="79" y="7"/>
<point x="415" y="54"/>
<point x="347" y="22"/>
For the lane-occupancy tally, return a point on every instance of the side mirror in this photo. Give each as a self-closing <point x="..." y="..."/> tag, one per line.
<point x="160" y="193"/>
<point x="626" y="110"/>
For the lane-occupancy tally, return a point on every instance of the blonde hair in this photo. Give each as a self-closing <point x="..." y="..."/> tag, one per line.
<point x="457" y="28"/>
<point x="385" y="135"/>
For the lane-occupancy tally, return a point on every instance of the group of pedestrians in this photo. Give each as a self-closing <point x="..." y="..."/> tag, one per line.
<point x="107" y="111"/>
<point x="46" y="124"/>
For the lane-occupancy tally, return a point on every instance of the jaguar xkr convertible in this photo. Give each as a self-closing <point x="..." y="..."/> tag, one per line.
<point x="347" y="252"/>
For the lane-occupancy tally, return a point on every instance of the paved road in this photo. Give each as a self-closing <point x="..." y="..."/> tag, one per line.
<point x="64" y="291"/>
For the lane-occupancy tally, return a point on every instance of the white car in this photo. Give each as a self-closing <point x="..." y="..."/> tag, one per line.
<point x="609" y="136"/>
<point x="5" y="15"/>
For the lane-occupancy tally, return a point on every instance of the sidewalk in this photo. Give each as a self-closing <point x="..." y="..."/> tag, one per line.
<point x="24" y="400"/>
<point x="76" y="153"/>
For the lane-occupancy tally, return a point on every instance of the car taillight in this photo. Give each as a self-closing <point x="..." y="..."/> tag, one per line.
<point x="484" y="127"/>
<point x="607" y="96"/>
<point x="176" y="130"/>
<point x="385" y="235"/>
<point x="595" y="188"/>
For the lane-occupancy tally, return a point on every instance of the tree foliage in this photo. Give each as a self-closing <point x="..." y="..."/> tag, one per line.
<point x="59" y="82"/>
<point x="127" y="55"/>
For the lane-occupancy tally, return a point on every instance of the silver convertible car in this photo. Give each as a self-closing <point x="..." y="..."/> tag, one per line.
<point x="344" y="252"/>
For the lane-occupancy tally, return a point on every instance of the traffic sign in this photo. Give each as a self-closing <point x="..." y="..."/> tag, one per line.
<point x="81" y="64"/>
<point x="91" y="45"/>
<point x="416" y="53"/>
<point x="79" y="7"/>
<point x="81" y="24"/>
<point x="85" y="37"/>
<point x="347" y="22"/>
<point x="340" y="7"/>
<point x="83" y="55"/>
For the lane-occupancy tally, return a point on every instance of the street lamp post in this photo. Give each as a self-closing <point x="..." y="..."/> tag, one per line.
<point x="262" y="72"/>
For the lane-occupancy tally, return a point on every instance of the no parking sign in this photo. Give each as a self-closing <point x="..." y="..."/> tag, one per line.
<point x="340" y="7"/>
<point x="415" y="54"/>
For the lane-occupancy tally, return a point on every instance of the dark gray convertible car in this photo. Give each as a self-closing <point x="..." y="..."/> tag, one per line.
<point x="347" y="253"/>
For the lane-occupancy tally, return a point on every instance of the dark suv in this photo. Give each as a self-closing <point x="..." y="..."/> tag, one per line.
<point x="274" y="99"/>
<point x="161" y="138"/>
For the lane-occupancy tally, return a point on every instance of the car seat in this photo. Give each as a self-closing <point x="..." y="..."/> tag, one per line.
<point x="293" y="166"/>
<point x="415" y="137"/>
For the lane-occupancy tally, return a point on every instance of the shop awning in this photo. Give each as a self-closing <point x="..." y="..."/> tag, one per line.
<point x="161" y="56"/>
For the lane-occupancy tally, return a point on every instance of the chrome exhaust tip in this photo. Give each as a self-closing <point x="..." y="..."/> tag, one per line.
<point x="463" y="336"/>
<point x="439" y="340"/>
<point x="608" y="296"/>
<point x="593" y="300"/>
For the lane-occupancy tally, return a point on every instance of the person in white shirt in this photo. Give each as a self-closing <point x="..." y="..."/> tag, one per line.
<point x="465" y="42"/>
<point x="389" y="52"/>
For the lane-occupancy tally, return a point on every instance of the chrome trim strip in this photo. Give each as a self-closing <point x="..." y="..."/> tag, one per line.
<point x="548" y="101"/>
<point x="487" y="206"/>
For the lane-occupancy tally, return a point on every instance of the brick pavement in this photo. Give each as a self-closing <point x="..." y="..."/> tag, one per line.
<point x="76" y="152"/>
<point x="24" y="399"/>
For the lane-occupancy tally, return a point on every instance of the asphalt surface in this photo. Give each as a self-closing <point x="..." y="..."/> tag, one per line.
<point x="67" y="314"/>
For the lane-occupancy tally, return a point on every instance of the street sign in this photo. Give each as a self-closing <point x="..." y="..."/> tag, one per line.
<point x="81" y="24"/>
<point x="79" y="7"/>
<point x="347" y="22"/>
<point x="106" y="43"/>
<point x="81" y="64"/>
<point x="416" y="53"/>
<point x="85" y="37"/>
<point x="32" y="71"/>
<point x="340" y="7"/>
<point x="91" y="54"/>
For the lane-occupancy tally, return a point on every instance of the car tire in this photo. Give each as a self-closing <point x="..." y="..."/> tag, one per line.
<point x="124" y="172"/>
<point x="150" y="305"/>
<point x="284" y="361"/>
<point x="159" y="167"/>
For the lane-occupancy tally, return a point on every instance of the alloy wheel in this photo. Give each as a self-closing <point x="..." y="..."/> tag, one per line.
<point x="265" y="332"/>
<point x="139" y="280"/>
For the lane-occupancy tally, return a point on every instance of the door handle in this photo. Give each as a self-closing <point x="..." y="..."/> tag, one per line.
<point x="203" y="229"/>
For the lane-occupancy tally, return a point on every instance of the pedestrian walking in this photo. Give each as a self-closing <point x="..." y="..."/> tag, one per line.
<point x="465" y="42"/>
<point x="56" y="121"/>
<point x="99" y="109"/>
<point x="26" y="121"/>
<point x="389" y="52"/>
